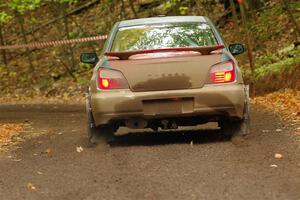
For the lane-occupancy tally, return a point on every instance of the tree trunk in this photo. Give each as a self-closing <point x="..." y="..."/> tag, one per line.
<point x="133" y="9"/>
<point x="202" y="8"/>
<point x="248" y="39"/>
<point x="293" y="19"/>
<point x="23" y="33"/>
<point x="255" y="4"/>
<point x="3" y="52"/>
<point x="84" y="34"/>
<point x="122" y="11"/>
<point x="234" y="14"/>
<point x="67" y="34"/>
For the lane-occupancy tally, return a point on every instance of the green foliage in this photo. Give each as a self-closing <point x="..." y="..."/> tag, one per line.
<point x="82" y="73"/>
<point x="105" y="4"/>
<point x="177" y="6"/>
<point x="75" y="34"/>
<point x="4" y="17"/>
<point x="267" y="27"/>
<point x="275" y="67"/>
<point x="83" y="81"/>
<point x="83" y="67"/>
<point x="276" y="63"/>
<point x="183" y="10"/>
<point x="22" y="6"/>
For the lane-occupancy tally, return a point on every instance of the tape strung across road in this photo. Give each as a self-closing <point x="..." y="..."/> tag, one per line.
<point x="54" y="43"/>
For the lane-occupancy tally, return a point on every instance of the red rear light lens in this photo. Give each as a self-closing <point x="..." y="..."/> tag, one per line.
<point x="104" y="83"/>
<point x="222" y="72"/>
<point x="111" y="79"/>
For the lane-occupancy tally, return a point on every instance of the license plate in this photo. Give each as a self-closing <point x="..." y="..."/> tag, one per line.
<point x="168" y="106"/>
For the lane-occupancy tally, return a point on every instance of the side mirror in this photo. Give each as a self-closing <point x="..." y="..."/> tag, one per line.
<point x="89" y="58"/>
<point x="236" y="49"/>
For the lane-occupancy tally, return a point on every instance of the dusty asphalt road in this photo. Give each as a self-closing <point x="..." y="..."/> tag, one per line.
<point x="149" y="165"/>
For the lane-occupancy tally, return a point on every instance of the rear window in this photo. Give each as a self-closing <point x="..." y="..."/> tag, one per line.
<point x="163" y="36"/>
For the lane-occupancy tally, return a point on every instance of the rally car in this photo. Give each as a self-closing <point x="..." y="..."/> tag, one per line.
<point x="166" y="72"/>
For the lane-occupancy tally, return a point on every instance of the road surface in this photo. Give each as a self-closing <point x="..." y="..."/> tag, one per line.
<point x="194" y="164"/>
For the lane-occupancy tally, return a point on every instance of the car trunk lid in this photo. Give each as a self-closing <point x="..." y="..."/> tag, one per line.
<point x="167" y="70"/>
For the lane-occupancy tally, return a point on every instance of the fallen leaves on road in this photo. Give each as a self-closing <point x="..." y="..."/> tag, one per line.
<point x="273" y="166"/>
<point x="64" y="99"/>
<point x="79" y="149"/>
<point x="30" y="186"/>
<point x="16" y="159"/>
<point x="64" y="91"/>
<point x="286" y="103"/>
<point x="278" y="156"/>
<point x="47" y="152"/>
<point x="10" y="134"/>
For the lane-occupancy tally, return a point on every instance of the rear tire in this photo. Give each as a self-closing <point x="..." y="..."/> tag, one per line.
<point x="234" y="128"/>
<point x="101" y="135"/>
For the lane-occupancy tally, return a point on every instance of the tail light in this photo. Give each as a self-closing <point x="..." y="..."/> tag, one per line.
<point x="222" y="72"/>
<point x="111" y="79"/>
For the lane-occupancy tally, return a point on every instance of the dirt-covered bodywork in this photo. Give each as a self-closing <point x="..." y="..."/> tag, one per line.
<point x="165" y="72"/>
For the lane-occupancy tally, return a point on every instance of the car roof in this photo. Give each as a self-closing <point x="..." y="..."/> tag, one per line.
<point x="163" y="19"/>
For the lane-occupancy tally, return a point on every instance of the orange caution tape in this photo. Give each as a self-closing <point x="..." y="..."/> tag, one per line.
<point x="54" y="43"/>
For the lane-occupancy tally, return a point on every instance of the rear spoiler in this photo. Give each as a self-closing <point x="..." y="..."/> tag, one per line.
<point x="124" y="55"/>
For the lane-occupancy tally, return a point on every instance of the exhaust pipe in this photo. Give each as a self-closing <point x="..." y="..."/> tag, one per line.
<point x="166" y="124"/>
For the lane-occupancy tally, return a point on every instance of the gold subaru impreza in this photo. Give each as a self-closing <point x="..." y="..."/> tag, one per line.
<point x="166" y="72"/>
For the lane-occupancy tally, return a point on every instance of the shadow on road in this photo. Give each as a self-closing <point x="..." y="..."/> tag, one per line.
<point x="170" y="137"/>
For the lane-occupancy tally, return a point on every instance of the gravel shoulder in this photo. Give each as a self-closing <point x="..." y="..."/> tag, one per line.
<point x="187" y="164"/>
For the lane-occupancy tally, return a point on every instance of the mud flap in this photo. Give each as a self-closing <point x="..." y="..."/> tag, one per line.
<point x="246" y="102"/>
<point x="91" y="128"/>
<point x="88" y="109"/>
<point x="245" y="125"/>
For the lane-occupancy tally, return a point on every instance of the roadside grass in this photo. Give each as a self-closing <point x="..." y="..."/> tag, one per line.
<point x="278" y="62"/>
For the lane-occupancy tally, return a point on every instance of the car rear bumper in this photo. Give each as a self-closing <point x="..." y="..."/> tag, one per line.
<point x="225" y="99"/>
